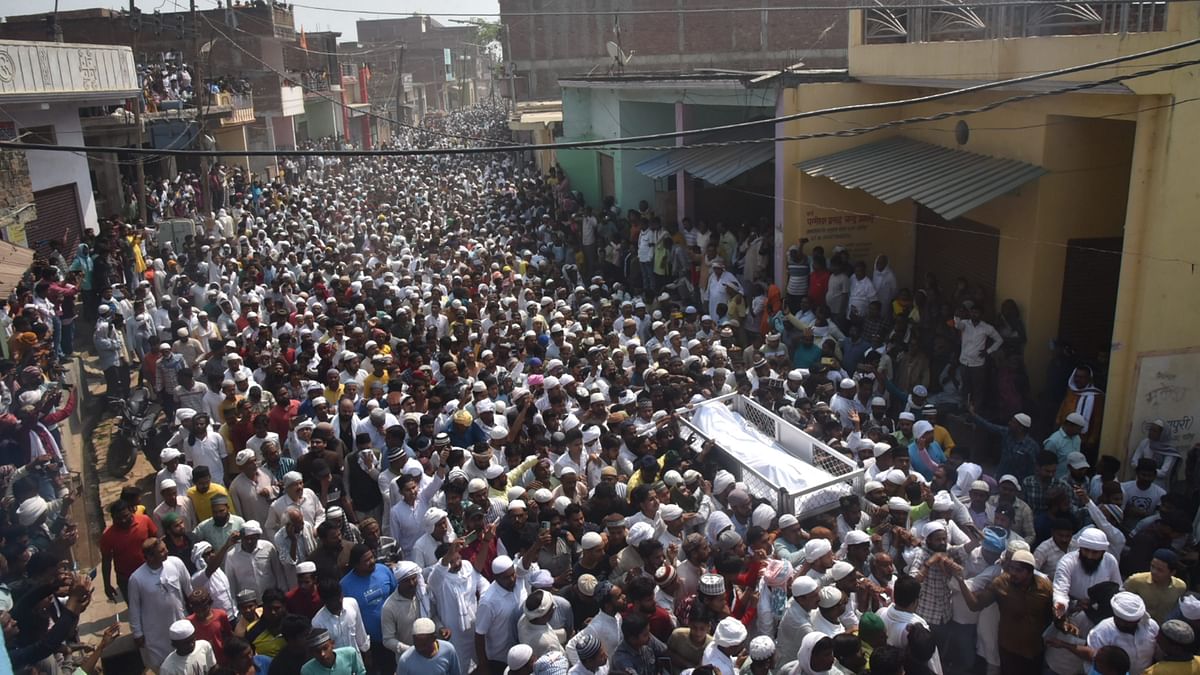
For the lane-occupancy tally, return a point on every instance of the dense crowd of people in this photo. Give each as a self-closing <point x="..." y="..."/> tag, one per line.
<point x="425" y="417"/>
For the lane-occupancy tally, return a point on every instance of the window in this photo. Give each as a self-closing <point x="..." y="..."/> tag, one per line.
<point x="43" y="135"/>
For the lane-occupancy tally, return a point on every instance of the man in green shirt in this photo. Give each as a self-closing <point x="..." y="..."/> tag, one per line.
<point x="326" y="660"/>
<point x="216" y="530"/>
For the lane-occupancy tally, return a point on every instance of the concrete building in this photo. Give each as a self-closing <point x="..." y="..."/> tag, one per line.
<point x="735" y="183"/>
<point x="421" y="65"/>
<point x="317" y="63"/>
<point x="243" y="43"/>
<point x="1079" y="206"/>
<point x="546" y="41"/>
<point x="43" y="86"/>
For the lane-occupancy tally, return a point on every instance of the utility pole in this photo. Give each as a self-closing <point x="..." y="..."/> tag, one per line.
<point x="512" y="71"/>
<point x="201" y="122"/>
<point x="137" y="121"/>
<point x="399" y="90"/>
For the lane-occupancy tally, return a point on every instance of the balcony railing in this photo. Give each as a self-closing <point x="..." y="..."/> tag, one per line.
<point x="956" y="21"/>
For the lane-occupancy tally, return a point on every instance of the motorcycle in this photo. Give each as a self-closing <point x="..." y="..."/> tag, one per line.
<point x="134" y="431"/>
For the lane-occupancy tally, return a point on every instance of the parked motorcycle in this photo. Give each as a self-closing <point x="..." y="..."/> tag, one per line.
<point x="134" y="431"/>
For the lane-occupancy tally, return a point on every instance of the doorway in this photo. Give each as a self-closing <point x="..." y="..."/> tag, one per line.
<point x="954" y="249"/>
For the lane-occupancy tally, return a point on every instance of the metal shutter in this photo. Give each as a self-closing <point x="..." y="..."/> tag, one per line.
<point x="57" y="218"/>
<point x="957" y="248"/>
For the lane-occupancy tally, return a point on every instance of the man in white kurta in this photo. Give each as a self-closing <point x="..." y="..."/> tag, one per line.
<point x="294" y="494"/>
<point x="407" y="517"/>
<point x="1072" y="578"/>
<point x="157" y="598"/>
<point x="454" y="590"/>
<point x="191" y="656"/>
<point x="254" y="563"/>
<point x="346" y="625"/>
<point x="437" y="530"/>
<point x="295" y="541"/>
<point x="722" y="286"/>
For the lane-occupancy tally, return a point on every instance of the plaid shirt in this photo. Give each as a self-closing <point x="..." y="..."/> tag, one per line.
<point x="1034" y="492"/>
<point x="934" y="604"/>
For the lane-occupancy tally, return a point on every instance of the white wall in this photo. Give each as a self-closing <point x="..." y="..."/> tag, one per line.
<point x="51" y="169"/>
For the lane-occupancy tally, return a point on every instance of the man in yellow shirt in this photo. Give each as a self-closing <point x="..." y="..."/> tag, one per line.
<point x="202" y="492"/>
<point x="1175" y="656"/>
<point x="1159" y="588"/>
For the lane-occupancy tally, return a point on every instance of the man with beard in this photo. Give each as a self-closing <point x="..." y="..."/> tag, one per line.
<point x="1025" y="601"/>
<point x="495" y="621"/>
<point x="403" y="607"/>
<point x="1081" y="569"/>
<point x="797" y="620"/>
<point x="1130" y="628"/>
<point x="934" y="565"/>
<point x="216" y="530"/>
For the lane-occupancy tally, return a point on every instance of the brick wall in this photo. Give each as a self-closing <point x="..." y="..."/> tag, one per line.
<point x="544" y="48"/>
<point x="16" y="192"/>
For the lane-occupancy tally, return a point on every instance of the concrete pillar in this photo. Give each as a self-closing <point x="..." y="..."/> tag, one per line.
<point x="781" y="106"/>
<point x="684" y="201"/>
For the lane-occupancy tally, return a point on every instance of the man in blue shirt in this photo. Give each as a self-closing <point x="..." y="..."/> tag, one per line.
<point x="428" y="655"/>
<point x="370" y="583"/>
<point x="807" y="353"/>
<point x="1065" y="441"/>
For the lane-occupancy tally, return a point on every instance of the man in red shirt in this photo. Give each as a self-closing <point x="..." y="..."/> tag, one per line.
<point x="212" y="625"/>
<point x="303" y="599"/>
<point x="279" y="419"/>
<point x="640" y="591"/>
<point x="121" y="545"/>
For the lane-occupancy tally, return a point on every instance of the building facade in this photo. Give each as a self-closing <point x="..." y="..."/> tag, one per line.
<point x="546" y="41"/>
<point x="238" y="49"/>
<point x="43" y="87"/>
<point x="419" y="65"/>
<point x="1076" y="206"/>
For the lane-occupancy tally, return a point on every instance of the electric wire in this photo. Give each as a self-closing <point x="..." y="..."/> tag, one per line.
<point x="626" y="142"/>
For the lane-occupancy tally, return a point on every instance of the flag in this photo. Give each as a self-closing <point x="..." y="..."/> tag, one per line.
<point x="303" y="40"/>
<point x="366" y="73"/>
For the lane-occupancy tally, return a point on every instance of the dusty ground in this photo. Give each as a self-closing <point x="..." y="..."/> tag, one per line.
<point x="91" y="430"/>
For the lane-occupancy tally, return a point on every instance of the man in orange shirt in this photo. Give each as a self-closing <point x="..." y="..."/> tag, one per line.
<point x="121" y="545"/>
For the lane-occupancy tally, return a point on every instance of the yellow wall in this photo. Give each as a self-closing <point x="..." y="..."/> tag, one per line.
<point x="1091" y="191"/>
<point x="824" y="212"/>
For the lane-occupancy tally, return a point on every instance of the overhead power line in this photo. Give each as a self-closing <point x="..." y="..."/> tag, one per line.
<point x="621" y="143"/>
<point x="878" y="105"/>
<point x="900" y="4"/>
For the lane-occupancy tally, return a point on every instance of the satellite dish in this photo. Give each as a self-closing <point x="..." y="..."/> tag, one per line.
<point x="618" y="56"/>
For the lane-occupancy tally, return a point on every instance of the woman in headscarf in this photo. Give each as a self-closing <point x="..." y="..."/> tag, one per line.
<point x="1085" y="398"/>
<point x="816" y="655"/>
<point x="1157" y="446"/>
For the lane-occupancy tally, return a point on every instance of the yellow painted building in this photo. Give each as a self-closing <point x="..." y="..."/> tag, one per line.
<point x="1081" y="207"/>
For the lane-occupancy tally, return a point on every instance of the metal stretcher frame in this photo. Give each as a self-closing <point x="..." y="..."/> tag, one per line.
<point x="795" y="442"/>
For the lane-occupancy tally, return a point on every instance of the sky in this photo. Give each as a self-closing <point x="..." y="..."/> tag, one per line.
<point x="309" y="19"/>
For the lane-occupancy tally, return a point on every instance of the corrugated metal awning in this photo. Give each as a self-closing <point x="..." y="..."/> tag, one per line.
<point x="951" y="182"/>
<point x="718" y="164"/>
